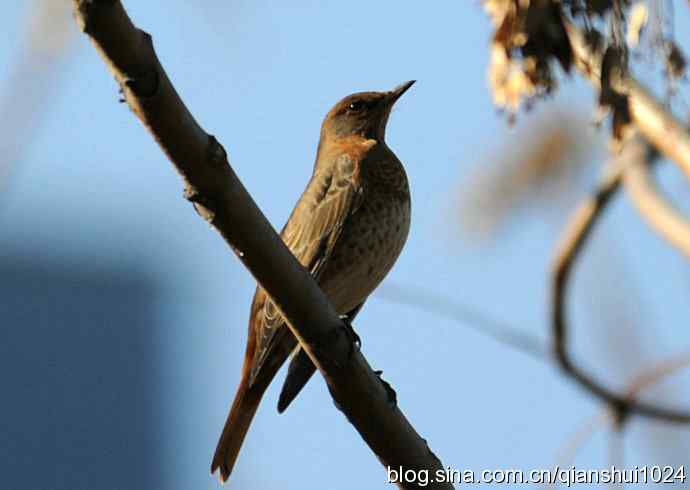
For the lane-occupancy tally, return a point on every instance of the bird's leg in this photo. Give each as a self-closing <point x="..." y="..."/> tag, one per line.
<point x="350" y="332"/>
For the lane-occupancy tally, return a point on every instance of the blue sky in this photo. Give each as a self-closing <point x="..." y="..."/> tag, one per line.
<point x="91" y="185"/>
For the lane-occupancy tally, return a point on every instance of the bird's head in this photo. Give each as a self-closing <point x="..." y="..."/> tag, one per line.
<point x="363" y="114"/>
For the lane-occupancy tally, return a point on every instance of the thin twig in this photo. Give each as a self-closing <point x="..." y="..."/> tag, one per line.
<point x="221" y="199"/>
<point x="647" y="198"/>
<point x="572" y="243"/>
<point x="566" y="454"/>
<point x="661" y="370"/>
<point x="471" y="317"/>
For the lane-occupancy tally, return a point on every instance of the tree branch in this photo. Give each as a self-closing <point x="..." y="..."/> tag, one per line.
<point x="574" y="238"/>
<point x="658" y="126"/>
<point x="642" y="381"/>
<point x="647" y="198"/>
<point x="221" y="199"/>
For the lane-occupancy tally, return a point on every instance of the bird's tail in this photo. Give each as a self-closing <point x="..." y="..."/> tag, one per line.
<point x="236" y="426"/>
<point x="300" y="371"/>
<point x="247" y="399"/>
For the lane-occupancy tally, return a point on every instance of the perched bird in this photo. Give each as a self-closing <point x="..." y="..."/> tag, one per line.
<point x="347" y="229"/>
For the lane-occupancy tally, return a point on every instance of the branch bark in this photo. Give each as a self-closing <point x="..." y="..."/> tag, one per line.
<point x="574" y="238"/>
<point x="221" y="199"/>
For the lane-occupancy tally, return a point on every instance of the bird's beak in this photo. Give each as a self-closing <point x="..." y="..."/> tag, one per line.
<point x="397" y="92"/>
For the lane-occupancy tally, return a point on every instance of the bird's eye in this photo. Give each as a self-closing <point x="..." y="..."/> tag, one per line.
<point x="355" y="106"/>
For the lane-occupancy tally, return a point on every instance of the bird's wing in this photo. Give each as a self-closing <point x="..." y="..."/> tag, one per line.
<point x="311" y="233"/>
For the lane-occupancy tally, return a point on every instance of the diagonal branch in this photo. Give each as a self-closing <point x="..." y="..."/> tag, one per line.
<point x="647" y="198"/>
<point x="572" y="242"/>
<point x="656" y="124"/>
<point x="221" y="199"/>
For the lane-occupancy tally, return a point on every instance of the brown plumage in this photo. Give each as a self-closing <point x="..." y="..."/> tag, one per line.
<point x="347" y="229"/>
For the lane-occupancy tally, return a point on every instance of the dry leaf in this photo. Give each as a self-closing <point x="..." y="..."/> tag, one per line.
<point x="508" y="80"/>
<point x="675" y="60"/>
<point x="529" y="35"/>
<point x="497" y="10"/>
<point x="637" y="20"/>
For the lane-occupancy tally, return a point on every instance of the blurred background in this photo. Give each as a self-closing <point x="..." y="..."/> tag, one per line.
<point x="124" y="315"/>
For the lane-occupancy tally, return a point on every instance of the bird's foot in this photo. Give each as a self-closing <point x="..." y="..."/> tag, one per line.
<point x="352" y="335"/>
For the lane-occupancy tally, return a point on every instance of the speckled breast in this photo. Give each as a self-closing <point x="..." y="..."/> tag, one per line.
<point x="373" y="237"/>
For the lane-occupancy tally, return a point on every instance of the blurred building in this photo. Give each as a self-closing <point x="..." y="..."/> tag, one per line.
<point x="78" y="363"/>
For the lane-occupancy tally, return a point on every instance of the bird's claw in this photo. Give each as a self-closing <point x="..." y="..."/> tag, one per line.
<point x="352" y="335"/>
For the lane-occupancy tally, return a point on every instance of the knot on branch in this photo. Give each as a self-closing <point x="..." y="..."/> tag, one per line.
<point x="390" y="392"/>
<point x="215" y="153"/>
<point x="143" y="81"/>
<point x="200" y="202"/>
<point x="621" y="412"/>
<point x="144" y="85"/>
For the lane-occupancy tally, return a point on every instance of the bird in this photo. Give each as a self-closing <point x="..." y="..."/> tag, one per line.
<point x="347" y="229"/>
